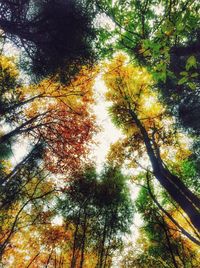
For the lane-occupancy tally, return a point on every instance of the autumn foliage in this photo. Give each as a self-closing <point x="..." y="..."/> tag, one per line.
<point x="139" y="62"/>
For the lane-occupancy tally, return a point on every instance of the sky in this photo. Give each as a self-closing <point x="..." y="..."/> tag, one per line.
<point x="109" y="133"/>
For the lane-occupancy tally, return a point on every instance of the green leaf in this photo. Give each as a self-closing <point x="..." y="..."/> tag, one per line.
<point x="184" y="73"/>
<point x="194" y="75"/>
<point x="192" y="85"/>
<point x="182" y="80"/>
<point x="179" y="25"/>
<point x="191" y="62"/>
<point x="171" y="74"/>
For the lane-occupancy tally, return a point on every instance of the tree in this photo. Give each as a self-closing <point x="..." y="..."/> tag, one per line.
<point x="55" y="115"/>
<point x="100" y="209"/>
<point x="160" y="244"/>
<point x="14" y="180"/>
<point x="145" y="124"/>
<point x="164" y="37"/>
<point x="57" y="123"/>
<point x="34" y="192"/>
<point x="56" y="36"/>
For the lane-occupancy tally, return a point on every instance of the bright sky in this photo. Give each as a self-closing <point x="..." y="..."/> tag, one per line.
<point x="109" y="133"/>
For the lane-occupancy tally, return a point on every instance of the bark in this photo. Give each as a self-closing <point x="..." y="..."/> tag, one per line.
<point x="21" y="164"/>
<point x="172" y="184"/>
<point x="193" y="239"/>
<point x="22" y="32"/>
<point x="169" y="244"/>
<point x="186" y="50"/>
<point x="14" y="224"/>
<point x="106" y="254"/>
<point x="83" y="241"/>
<point x="23" y="128"/>
<point x="9" y="109"/>
<point x="73" y="260"/>
<point x="33" y="260"/>
<point x="55" y="261"/>
<point x="49" y="258"/>
<point x="102" y="249"/>
<point x="60" y="261"/>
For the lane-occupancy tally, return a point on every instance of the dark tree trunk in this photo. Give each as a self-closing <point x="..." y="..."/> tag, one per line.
<point x="102" y="248"/>
<point x="106" y="254"/>
<point x="169" y="244"/>
<point x="17" y="105"/>
<point x="73" y="261"/>
<point x="49" y="258"/>
<point x="83" y="241"/>
<point x="23" y="128"/>
<point x="188" y="201"/>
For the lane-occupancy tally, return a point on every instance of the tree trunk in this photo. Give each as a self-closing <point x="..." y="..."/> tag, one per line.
<point x="172" y="184"/>
<point x="26" y="127"/>
<point x="49" y="258"/>
<point x="83" y="240"/>
<point x="102" y="249"/>
<point x="73" y="261"/>
<point x="11" y="108"/>
<point x="169" y="244"/>
<point x="106" y="254"/>
<point x="35" y="257"/>
<point x="20" y="129"/>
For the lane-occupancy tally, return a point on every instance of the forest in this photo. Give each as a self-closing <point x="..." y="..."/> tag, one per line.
<point x="99" y="134"/>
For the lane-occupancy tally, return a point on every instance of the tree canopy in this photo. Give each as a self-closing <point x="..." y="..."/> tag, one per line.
<point x="56" y="36"/>
<point x="59" y="61"/>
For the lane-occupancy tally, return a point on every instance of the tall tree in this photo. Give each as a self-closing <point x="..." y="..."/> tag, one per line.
<point x="164" y="37"/>
<point x="24" y="211"/>
<point x="55" y="115"/>
<point x="57" y="36"/>
<point x="160" y="244"/>
<point x="148" y="127"/>
<point x="100" y="209"/>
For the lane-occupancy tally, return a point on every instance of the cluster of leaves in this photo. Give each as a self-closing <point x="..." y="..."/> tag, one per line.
<point x="54" y="115"/>
<point x="154" y="101"/>
<point x="95" y="211"/>
<point x="164" y="37"/>
<point x="56" y="122"/>
<point x="56" y="36"/>
<point x="151" y="139"/>
<point x="100" y="209"/>
<point x="51" y="199"/>
<point x="53" y="123"/>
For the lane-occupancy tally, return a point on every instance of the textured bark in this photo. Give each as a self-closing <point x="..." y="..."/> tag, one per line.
<point x="83" y="241"/>
<point x="188" y="201"/>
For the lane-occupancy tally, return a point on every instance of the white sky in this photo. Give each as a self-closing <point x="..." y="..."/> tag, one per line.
<point x="109" y="133"/>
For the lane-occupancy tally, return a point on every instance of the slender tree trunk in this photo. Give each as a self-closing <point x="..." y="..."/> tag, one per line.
<point x="9" y="176"/>
<point x="20" y="129"/>
<point x="49" y="258"/>
<point x="73" y="260"/>
<point x="192" y="238"/>
<point x="169" y="244"/>
<point x="83" y="241"/>
<point x="9" y="109"/>
<point x="12" y="27"/>
<point x="60" y="261"/>
<point x="55" y="262"/>
<point x="182" y="255"/>
<point x="106" y="254"/>
<point x="172" y="184"/>
<point x="33" y="260"/>
<point x="102" y="249"/>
